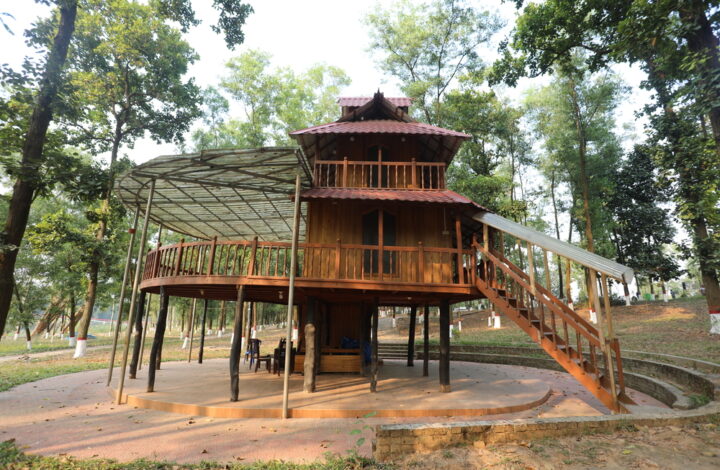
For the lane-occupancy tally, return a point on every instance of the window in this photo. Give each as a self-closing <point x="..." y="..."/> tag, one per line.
<point x="371" y="236"/>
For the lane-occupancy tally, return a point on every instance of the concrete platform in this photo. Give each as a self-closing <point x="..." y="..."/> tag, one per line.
<point x="204" y="390"/>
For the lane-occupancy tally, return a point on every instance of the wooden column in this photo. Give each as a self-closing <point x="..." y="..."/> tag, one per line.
<point x="426" y="340"/>
<point x="192" y="328"/>
<point x="458" y="242"/>
<point x="364" y="315"/>
<point x="444" y="346"/>
<point x="157" y="341"/>
<point x="123" y="286"/>
<point x="145" y="330"/>
<point x="236" y="344"/>
<point x="202" y="333"/>
<point x="310" y="345"/>
<point x="411" y="337"/>
<point x="374" y="343"/>
<point x="138" y="334"/>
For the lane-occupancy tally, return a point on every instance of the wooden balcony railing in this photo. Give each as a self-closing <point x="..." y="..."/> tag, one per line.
<point x="379" y="175"/>
<point x="343" y="262"/>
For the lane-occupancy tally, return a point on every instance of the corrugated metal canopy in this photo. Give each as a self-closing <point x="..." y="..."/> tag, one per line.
<point x="567" y="250"/>
<point x="231" y="194"/>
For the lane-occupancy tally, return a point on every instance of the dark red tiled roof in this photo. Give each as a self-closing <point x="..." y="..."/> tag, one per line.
<point x="435" y="197"/>
<point x="359" y="101"/>
<point x="381" y="126"/>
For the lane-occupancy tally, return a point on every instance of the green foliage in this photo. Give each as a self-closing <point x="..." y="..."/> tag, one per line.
<point x="274" y="102"/>
<point x="428" y="46"/>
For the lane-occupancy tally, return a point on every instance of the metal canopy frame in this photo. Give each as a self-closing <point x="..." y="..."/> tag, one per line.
<point x="228" y="194"/>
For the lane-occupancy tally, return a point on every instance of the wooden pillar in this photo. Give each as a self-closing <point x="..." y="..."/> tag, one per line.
<point x="202" y="333"/>
<point x="138" y="334"/>
<point x="192" y="328"/>
<point x="310" y="346"/>
<point x="444" y="346"/>
<point x="374" y="342"/>
<point x="236" y="344"/>
<point x="426" y="340"/>
<point x="157" y="341"/>
<point x="411" y="337"/>
<point x="364" y="329"/>
<point x="123" y="286"/>
<point x="145" y="329"/>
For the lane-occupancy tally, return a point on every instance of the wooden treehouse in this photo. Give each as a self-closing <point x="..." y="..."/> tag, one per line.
<point x="377" y="226"/>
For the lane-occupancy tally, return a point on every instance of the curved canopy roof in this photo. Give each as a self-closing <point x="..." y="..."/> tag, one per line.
<point x="231" y="194"/>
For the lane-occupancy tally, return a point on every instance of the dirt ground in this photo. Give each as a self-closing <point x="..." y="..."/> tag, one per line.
<point x="688" y="448"/>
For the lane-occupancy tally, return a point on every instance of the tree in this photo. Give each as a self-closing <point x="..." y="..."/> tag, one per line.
<point x="486" y="165"/>
<point x="274" y="102"/>
<point x="641" y="227"/>
<point x="126" y="82"/>
<point x="675" y="43"/>
<point x="232" y="16"/>
<point x="428" y="46"/>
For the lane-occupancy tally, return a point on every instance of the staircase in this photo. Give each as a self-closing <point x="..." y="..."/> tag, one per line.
<point x="568" y="338"/>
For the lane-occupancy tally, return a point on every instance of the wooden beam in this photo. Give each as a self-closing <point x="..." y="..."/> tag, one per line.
<point x="374" y="342"/>
<point x="444" y="346"/>
<point x="426" y="340"/>
<point x="411" y="337"/>
<point x="157" y="340"/>
<point x="310" y="346"/>
<point x="202" y="333"/>
<point x="138" y="335"/>
<point x="236" y="344"/>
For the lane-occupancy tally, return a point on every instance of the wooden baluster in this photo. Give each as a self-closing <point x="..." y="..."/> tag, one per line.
<point x="253" y="253"/>
<point x="179" y="257"/>
<point x="337" y="260"/>
<point x="345" y="172"/>
<point x="211" y="259"/>
<point x="156" y="261"/>
<point x="567" y="335"/>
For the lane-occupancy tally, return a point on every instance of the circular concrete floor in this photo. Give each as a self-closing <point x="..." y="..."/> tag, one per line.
<point x="204" y="389"/>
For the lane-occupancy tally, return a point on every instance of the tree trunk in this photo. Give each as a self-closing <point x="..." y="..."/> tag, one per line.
<point x="90" y="295"/>
<point x="557" y="234"/>
<point x="51" y="313"/>
<point x="32" y="158"/>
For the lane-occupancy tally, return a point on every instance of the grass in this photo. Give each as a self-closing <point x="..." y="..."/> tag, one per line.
<point x="13" y="458"/>
<point x="13" y="373"/>
<point x="11" y="347"/>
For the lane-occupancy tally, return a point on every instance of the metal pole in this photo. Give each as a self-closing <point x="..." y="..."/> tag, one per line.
<point x="136" y="285"/>
<point x="291" y="295"/>
<point x="122" y="293"/>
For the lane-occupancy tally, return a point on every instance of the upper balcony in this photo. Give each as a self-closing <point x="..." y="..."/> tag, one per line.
<point x="413" y="175"/>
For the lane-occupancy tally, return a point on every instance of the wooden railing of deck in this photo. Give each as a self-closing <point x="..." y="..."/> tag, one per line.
<point x="339" y="261"/>
<point x="379" y="175"/>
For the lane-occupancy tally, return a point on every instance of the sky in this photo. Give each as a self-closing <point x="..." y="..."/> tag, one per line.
<point x="298" y="35"/>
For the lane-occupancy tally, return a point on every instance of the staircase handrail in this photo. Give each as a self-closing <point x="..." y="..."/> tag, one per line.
<point x="590" y="335"/>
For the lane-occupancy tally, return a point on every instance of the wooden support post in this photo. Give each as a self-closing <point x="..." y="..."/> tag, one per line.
<point x="444" y="346"/>
<point x="364" y="330"/>
<point x="458" y="242"/>
<point x="202" y="333"/>
<point x="546" y="264"/>
<point x="411" y="337"/>
<point x="345" y="173"/>
<point x="291" y="296"/>
<point x="136" y="287"/>
<point x="421" y="262"/>
<point x="568" y="289"/>
<point x="426" y="340"/>
<point x="236" y="344"/>
<point x="374" y="345"/>
<point x="531" y="268"/>
<point x="145" y="329"/>
<point x="157" y="341"/>
<point x="192" y="328"/>
<point x="123" y="286"/>
<point x="608" y="312"/>
<point x="381" y="244"/>
<point x="310" y="345"/>
<point x="138" y="334"/>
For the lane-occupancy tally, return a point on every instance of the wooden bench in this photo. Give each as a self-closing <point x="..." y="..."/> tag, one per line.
<point x="334" y="360"/>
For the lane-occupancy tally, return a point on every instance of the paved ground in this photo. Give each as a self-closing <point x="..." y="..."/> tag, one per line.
<point x="73" y="415"/>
